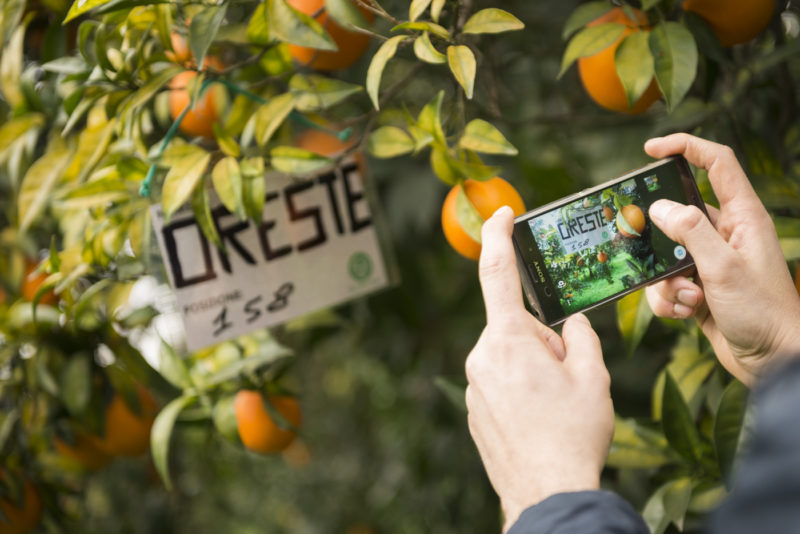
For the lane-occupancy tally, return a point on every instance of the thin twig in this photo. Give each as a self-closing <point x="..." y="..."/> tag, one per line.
<point x="378" y="10"/>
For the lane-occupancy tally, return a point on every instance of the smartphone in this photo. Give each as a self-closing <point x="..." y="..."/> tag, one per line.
<point x="596" y="246"/>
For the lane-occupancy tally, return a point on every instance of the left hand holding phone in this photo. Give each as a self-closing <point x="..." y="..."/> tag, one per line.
<point x="539" y="405"/>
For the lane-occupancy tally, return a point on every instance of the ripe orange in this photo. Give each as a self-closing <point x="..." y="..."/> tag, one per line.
<point x="487" y="197"/>
<point x="634" y="216"/>
<point x="208" y="108"/>
<point x="85" y="452"/>
<point x="599" y="72"/>
<point x="257" y="429"/>
<point x="602" y="257"/>
<point x="351" y="44"/>
<point x="22" y="516"/>
<point x="321" y="142"/>
<point x="126" y="432"/>
<point x="734" y="21"/>
<point x="608" y="214"/>
<point x="180" y="50"/>
<point x="31" y="283"/>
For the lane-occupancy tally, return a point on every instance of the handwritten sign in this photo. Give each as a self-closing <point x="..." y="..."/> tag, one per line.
<point x="584" y="229"/>
<point x="316" y="247"/>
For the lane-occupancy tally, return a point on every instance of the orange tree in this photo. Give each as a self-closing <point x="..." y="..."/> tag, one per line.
<point x="109" y="106"/>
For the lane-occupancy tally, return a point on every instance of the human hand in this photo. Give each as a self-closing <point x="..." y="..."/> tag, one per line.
<point x="745" y="300"/>
<point x="539" y="405"/>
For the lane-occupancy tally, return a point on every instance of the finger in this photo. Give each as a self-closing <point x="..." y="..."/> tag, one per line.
<point x="681" y="290"/>
<point x="713" y="214"/>
<point x="690" y="227"/>
<point x="724" y="171"/>
<point x="664" y="306"/>
<point x="497" y="267"/>
<point x="584" y="353"/>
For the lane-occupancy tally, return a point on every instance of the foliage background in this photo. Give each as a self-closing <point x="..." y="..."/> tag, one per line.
<point x="388" y="450"/>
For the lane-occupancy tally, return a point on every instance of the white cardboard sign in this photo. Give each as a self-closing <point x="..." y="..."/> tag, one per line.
<point x="316" y="247"/>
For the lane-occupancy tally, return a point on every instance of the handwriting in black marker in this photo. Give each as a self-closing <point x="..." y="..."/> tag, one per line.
<point x="281" y="297"/>
<point x="250" y="309"/>
<point x="223" y="322"/>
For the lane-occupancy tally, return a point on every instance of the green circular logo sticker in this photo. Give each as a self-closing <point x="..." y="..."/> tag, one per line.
<point x="360" y="266"/>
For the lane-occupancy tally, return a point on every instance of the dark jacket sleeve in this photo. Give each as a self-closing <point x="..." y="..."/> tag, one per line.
<point x="596" y="512"/>
<point x="766" y="483"/>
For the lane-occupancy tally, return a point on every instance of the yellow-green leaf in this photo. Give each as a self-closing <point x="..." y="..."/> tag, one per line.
<point x="202" y="214"/>
<point x="462" y="64"/>
<point x="637" y="447"/>
<point x="468" y="216"/>
<point x="79" y="7"/>
<point x="253" y="188"/>
<point x="416" y="9"/>
<point x="345" y="13"/>
<point x="633" y="318"/>
<point x="675" y="53"/>
<point x="17" y="127"/>
<point x="182" y="178"/>
<point x="389" y="142"/>
<point x="634" y="64"/>
<point x="378" y="63"/>
<point x="425" y="51"/>
<point x="297" y="161"/>
<point x="161" y="433"/>
<point x="590" y="41"/>
<point x="227" y="180"/>
<point x="436" y="9"/>
<point x="292" y="26"/>
<point x="226" y="142"/>
<point x="313" y="92"/>
<point x="271" y="115"/>
<point x="424" y="26"/>
<point x="11" y="68"/>
<point x="482" y="136"/>
<point x="492" y="20"/>
<point x="430" y="118"/>
<point x="39" y="181"/>
<point x="584" y="14"/>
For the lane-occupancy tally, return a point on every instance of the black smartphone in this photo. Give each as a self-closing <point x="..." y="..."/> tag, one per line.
<point x="598" y="245"/>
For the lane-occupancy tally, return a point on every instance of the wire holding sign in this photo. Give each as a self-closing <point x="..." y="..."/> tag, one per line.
<point x="317" y="239"/>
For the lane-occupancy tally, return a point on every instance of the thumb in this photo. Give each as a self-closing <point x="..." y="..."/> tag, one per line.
<point x="584" y="353"/>
<point x="689" y="226"/>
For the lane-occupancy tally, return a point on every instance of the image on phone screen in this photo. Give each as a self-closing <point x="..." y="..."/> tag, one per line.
<point x="604" y="243"/>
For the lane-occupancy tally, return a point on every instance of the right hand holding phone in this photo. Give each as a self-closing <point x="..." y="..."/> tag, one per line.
<point x="745" y="300"/>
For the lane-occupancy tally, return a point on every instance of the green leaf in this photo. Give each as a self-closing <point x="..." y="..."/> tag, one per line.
<point x="707" y="41"/>
<point x="182" y="179"/>
<point x="417" y="8"/>
<point x="292" y="26"/>
<point x="436" y="9"/>
<point x="162" y="432"/>
<point x="590" y="41"/>
<point x="675" y="54"/>
<point x="95" y="193"/>
<point x="297" y="161"/>
<point x="633" y="318"/>
<point x="378" y="63"/>
<point x="11" y="67"/>
<point x="253" y="188"/>
<point x="482" y="136"/>
<point x="492" y="20"/>
<point x="258" y="27"/>
<point x="271" y="115"/>
<point x="79" y="7"/>
<point x="313" y="92"/>
<point x="634" y="63"/>
<point x="454" y="391"/>
<point x="226" y="142"/>
<point x="421" y="138"/>
<point x="76" y="383"/>
<point x="430" y="118"/>
<point x="442" y="165"/>
<point x="153" y="85"/>
<point x="224" y="418"/>
<point x="39" y="181"/>
<point x="227" y="180"/>
<point x="203" y="29"/>
<point x="202" y="213"/>
<point x="17" y="127"/>
<point x="468" y="217"/>
<point x="637" y="447"/>
<point x="462" y="64"/>
<point x="424" y="26"/>
<point x="425" y="51"/>
<point x="668" y="505"/>
<point x="171" y="366"/>
<point x="728" y="425"/>
<point x="584" y="14"/>
<point x="389" y="142"/>
<point x="346" y="13"/>
<point x="677" y="422"/>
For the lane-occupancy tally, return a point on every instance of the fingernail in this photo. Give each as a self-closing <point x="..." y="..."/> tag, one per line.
<point x="682" y="311"/>
<point x="504" y="211"/>
<point x="652" y="140"/>
<point x="579" y="317"/>
<point x="660" y="209"/>
<point x="688" y="297"/>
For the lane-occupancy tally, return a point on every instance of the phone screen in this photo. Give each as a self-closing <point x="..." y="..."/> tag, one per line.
<point x="593" y="248"/>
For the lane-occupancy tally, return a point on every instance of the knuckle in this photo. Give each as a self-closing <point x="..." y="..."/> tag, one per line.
<point x="690" y="219"/>
<point x="490" y="265"/>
